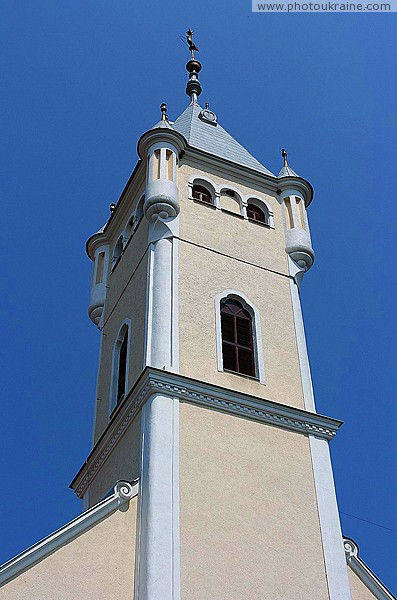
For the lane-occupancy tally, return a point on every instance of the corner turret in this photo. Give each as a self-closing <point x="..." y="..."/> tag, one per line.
<point x="296" y="194"/>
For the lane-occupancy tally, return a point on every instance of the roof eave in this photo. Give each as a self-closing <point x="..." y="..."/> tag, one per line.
<point x="364" y="573"/>
<point x="300" y="183"/>
<point x="272" y="180"/>
<point x="97" y="238"/>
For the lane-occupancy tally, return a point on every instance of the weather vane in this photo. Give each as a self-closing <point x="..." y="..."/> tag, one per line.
<point x="192" y="46"/>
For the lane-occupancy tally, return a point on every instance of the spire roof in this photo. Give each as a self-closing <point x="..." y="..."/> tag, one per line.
<point x="286" y="170"/>
<point x="201" y="130"/>
<point x="200" y="127"/>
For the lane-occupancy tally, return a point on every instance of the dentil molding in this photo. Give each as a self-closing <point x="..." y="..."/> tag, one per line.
<point x="154" y="381"/>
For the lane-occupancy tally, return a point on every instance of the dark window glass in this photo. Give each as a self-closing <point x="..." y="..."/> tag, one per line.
<point x="122" y="368"/>
<point x="243" y="327"/>
<point x="227" y="327"/>
<point x="229" y="357"/>
<point x="201" y="193"/>
<point x="237" y="340"/>
<point x="255" y="213"/>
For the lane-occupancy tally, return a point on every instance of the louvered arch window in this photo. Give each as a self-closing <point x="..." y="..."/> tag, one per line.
<point x="199" y="192"/>
<point x="237" y="338"/>
<point x="254" y="213"/>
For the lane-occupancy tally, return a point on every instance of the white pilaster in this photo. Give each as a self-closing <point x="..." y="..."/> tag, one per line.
<point x="160" y="354"/>
<point x="157" y="569"/>
<point x="162" y="336"/>
<point x="308" y="394"/>
<point x="294" y="209"/>
<point x="334" y="555"/>
<point x="162" y="164"/>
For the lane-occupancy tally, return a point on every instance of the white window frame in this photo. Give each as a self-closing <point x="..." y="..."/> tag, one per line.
<point x="126" y="324"/>
<point x="256" y="332"/>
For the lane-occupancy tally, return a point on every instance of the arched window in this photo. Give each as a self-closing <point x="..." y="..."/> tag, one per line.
<point x="199" y="192"/>
<point x="237" y="338"/>
<point x="255" y="213"/>
<point x="118" y="251"/>
<point x="119" y="378"/>
<point x="122" y="370"/>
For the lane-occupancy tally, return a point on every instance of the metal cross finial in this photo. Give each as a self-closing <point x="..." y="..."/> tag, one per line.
<point x="284" y="155"/>
<point x="192" y="46"/>
<point x="163" y="108"/>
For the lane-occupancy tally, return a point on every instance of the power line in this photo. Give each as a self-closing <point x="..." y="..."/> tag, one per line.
<point x="366" y="521"/>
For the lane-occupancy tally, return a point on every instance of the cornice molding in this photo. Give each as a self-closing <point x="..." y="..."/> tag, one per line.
<point x="118" y="216"/>
<point x="122" y="493"/>
<point x="158" y="135"/>
<point x="364" y="573"/>
<point x="154" y="381"/>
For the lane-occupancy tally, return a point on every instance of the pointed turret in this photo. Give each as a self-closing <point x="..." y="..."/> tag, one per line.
<point x="286" y="170"/>
<point x="297" y="235"/>
<point x="164" y="122"/>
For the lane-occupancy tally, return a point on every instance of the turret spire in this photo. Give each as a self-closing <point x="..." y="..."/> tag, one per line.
<point x="193" y="88"/>
<point x="286" y="170"/>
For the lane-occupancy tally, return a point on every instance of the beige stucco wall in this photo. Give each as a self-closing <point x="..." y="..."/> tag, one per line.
<point x="121" y="464"/>
<point x="229" y="203"/>
<point x="219" y="251"/>
<point x="97" y="565"/>
<point x="126" y="299"/>
<point x="358" y="589"/>
<point x="202" y="277"/>
<point x="248" y="512"/>
<point x="227" y="234"/>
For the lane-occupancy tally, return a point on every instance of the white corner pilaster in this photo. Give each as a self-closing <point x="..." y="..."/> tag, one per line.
<point x="332" y="541"/>
<point x="162" y="329"/>
<point x="334" y="554"/>
<point x="308" y="394"/>
<point x="157" y="568"/>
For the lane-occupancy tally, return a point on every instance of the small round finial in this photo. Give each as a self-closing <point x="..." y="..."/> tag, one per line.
<point x="285" y="156"/>
<point x="163" y="108"/>
<point x="207" y="105"/>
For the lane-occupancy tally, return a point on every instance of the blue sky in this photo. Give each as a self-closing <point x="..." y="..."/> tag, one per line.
<point x="81" y="82"/>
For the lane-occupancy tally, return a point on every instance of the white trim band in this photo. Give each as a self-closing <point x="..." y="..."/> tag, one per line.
<point x="363" y="572"/>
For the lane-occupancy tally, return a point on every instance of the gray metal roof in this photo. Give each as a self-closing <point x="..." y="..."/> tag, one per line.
<point x="286" y="171"/>
<point x="214" y="139"/>
<point x="163" y="124"/>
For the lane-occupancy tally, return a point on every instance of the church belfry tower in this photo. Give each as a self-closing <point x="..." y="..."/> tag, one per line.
<point x="204" y="394"/>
